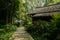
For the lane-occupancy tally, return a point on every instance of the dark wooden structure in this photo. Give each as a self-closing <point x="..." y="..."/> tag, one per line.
<point x="44" y="13"/>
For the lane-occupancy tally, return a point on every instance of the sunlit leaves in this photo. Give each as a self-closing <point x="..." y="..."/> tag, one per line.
<point x="54" y="2"/>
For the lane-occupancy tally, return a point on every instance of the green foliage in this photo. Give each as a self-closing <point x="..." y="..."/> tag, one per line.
<point x="6" y="31"/>
<point x="46" y="31"/>
<point x="54" y="2"/>
<point x="56" y="20"/>
<point x="9" y="27"/>
<point x="37" y="31"/>
<point x="6" y="36"/>
<point x="8" y="11"/>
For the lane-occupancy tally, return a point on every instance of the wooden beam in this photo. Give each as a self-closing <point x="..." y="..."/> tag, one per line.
<point x="53" y="8"/>
<point x="44" y="14"/>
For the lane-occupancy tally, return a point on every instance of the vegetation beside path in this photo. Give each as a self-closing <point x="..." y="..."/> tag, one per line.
<point x="46" y="31"/>
<point x="6" y="31"/>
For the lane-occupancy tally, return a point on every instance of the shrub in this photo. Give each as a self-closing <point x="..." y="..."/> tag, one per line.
<point x="6" y="31"/>
<point x="46" y="31"/>
<point x="39" y="31"/>
<point x="10" y="27"/>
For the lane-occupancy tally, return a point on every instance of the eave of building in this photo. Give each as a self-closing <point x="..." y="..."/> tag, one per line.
<point x="48" y="9"/>
<point x="45" y="14"/>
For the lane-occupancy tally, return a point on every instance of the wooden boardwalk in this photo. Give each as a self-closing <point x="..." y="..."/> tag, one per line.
<point x="21" y="34"/>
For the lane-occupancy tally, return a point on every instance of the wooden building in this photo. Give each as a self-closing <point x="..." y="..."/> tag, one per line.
<point x="44" y="13"/>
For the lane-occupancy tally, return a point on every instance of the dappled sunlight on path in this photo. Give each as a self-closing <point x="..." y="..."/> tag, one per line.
<point x="21" y="34"/>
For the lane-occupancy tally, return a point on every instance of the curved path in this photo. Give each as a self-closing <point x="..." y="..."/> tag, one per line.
<point x="21" y="34"/>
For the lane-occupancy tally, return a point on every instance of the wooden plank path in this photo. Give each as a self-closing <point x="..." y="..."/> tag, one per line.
<point x="21" y="34"/>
